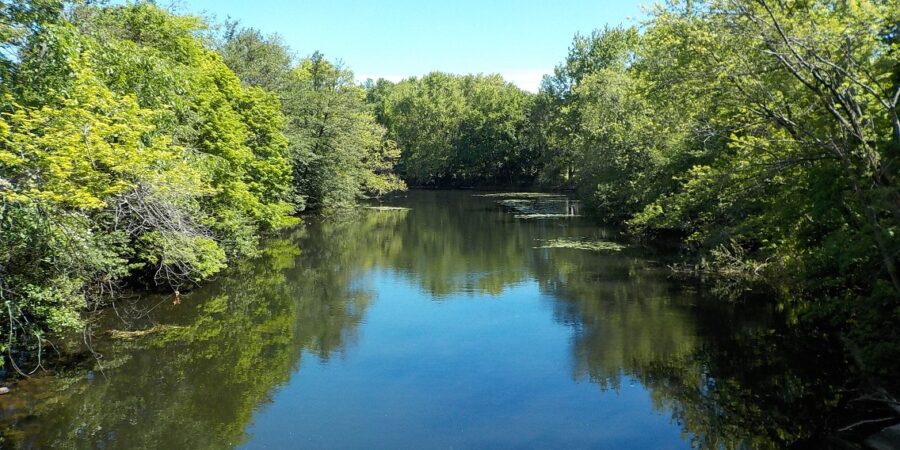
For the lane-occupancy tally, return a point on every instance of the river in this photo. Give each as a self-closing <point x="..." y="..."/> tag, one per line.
<point x="436" y="320"/>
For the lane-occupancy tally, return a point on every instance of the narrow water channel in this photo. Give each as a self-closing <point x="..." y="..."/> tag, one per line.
<point x="435" y="320"/>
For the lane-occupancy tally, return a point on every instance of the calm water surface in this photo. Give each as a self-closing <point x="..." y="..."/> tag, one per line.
<point x="441" y="323"/>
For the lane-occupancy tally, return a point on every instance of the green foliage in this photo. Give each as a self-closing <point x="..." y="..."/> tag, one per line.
<point x="762" y="135"/>
<point x="127" y="148"/>
<point x="457" y="130"/>
<point x="338" y="151"/>
<point x="258" y="60"/>
<point x="130" y="150"/>
<point x="197" y="258"/>
<point x="557" y="113"/>
<point x="18" y="20"/>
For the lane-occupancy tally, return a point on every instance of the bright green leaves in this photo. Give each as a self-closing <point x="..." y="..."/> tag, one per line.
<point x="177" y="255"/>
<point x="380" y="179"/>
<point x="128" y="148"/>
<point x="91" y="146"/>
<point x="268" y="173"/>
<point x="131" y="149"/>
<point x="234" y="134"/>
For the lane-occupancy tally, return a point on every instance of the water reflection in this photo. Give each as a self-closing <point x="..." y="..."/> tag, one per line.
<point x="197" y="374"/>
<point x="191" y="375"/>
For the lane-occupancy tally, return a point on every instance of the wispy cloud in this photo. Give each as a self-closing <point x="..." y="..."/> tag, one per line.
<point x="529" y="80"/>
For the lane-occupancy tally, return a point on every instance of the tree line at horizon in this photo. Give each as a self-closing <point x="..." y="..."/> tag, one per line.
<point x="138" y="145"/>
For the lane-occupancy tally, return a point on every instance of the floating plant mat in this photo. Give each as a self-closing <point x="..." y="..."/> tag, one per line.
<point x="538" y="216"/>
<point x="126" y="334"/>
<point x="582" y="244"/>
<point x="522" y="195"/>
<point x="537" y="205"/>
<point x="517" y="202"/>
<point x="387" y="208"/>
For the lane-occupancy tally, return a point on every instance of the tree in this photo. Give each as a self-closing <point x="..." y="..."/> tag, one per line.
<point x="556" y="118"/>
<point x="128" y="150"/>
<point x="458" y="130"/>
<point x="338" y="151"/>
<point x="258" y="60"/>
<point x="762" y="135"/>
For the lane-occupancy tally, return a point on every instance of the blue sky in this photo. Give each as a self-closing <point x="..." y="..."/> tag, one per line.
<point x="519" y="39"/>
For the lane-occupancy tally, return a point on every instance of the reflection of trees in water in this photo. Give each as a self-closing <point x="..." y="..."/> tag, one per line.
<point x="453" y="243"/>
<point x="731" y="375"/>
<point x="757" y="388"/>
<point x="728" y="376"/>
<point x="622" y="312"/>
<point x="621" y="315"/>
<point x="195" y="380"/>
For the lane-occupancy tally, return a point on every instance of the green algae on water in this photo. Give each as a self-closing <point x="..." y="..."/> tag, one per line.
<point x="582" y="244"/>
<point x="521" y="195"/>
<point x="387" y="208"/>
<point x="544" y="216"/>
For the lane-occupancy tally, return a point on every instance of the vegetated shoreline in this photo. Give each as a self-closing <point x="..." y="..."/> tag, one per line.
<point x="641" y="124"/>
<point x="705" y="123"/>
<point x="84" y="359"/>
<point x="82" y="355"/>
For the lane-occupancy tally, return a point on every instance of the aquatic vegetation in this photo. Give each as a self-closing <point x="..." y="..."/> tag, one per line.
<point x="541" y="207"/>
<point x="582" y="244"/>
<point x="545" y="216"/>
<point x="522" y="195"/>
<point x="387" y="208"/>
<point x="134" y="334"/>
